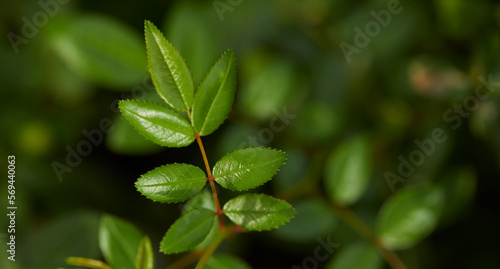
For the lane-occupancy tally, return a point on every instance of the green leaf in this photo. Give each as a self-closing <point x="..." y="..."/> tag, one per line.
<point x="119" y="241"/>
<point x="158" y="124"/>
<point x="258" y="211"/>
<point x="409" y="216"/>
<point x="248" y="168"/>
<point x="171" y="183"/>
<point x="145" y="257"/>
<point x="226" y="261"/>
<point x="73" y="234"/>
<point x="87" y="263"/>
<point x="348" y="170"/>
<point x="188" y="231"/>
<point x="356" y="256"/>
<point x="215" y="96"/>
<point x="268" y="85"/>
<point x="169" y="72"/>
<point x="101" y="49"/>
<point x="203" y="199"/>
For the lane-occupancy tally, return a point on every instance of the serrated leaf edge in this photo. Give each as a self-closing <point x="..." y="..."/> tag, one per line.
<point x="284" y="162"/>
<point x="146" y="22"/>
<point x="142" y="132"/>
<point x="261" y="194"/>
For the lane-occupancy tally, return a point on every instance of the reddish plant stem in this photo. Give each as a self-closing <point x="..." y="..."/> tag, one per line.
<point x="210" y="179"/>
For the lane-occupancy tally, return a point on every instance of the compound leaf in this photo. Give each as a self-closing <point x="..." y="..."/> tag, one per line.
<point x="409" y="216"/>
<point x="248" y="168"/>
<point x="169" y="72"/>
<point x="119" y="242"/>
<point x="258" y="211"/>
<point x="215" y="96"/>
<point x="171" y="183"/>
<point x="158" y="124"/>
<point x="348" y="171"/>
<point x="188" y="231"/>
<point x="145" y="257"/>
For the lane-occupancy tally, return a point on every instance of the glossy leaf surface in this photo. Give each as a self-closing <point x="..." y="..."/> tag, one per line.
<point x="171" y="183"/>
<point x="170" y="74"/>
<point x="248" y="168"/>
<point x="158" y="124"/>
<point x="258" y="211"/>
<point x="215" y="96"/>
<point x="188" y="231"/>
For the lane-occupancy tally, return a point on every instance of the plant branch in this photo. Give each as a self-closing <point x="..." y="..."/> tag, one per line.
<point x="364" y="230"/>
<point x="210" y="178"/>
<point x="210" y="250"/>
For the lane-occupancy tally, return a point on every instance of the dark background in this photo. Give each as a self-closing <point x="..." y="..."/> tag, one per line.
<point x="66" y="78"/>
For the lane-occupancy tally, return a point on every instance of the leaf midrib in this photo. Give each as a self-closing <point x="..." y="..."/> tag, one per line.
<point x="231" y="172"/>
<point x="158" y="39"/>
<point x="182" y="181"/>
<point x="216" y="95"/>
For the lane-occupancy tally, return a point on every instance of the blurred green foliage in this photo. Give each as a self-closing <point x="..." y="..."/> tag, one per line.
<point x="429" y="59"/>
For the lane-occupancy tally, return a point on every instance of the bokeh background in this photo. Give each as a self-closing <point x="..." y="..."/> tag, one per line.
<point x="61" y="74"/>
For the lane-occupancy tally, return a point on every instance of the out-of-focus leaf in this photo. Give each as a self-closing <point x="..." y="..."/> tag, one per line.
<point x="188" y="231"/>
<point x="87" y="263"/>
<point x="169" y="72"/>
<point x="197" y="20"/>
<point x="145" y="256"/>
<point x="119" y="241"/>
<point x="248" y="168"/>
<point x="316" y="122"/>
<point x="269" y="86"/>
<point x="356" y="256"/>
<point x="158" y="124"/>
<point x="314" y="218"/>
<point x="171" y="183"/>
<point x="226" y="261"/>
<point x="348" y="170"/>
<point x="215" y="96"/>
<point x="69" y="236"/>
<point x="100" y="48"/>
<point x="124" y="139"/>
<point x="258" y="212"/>
<point x="409" y="216"/>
